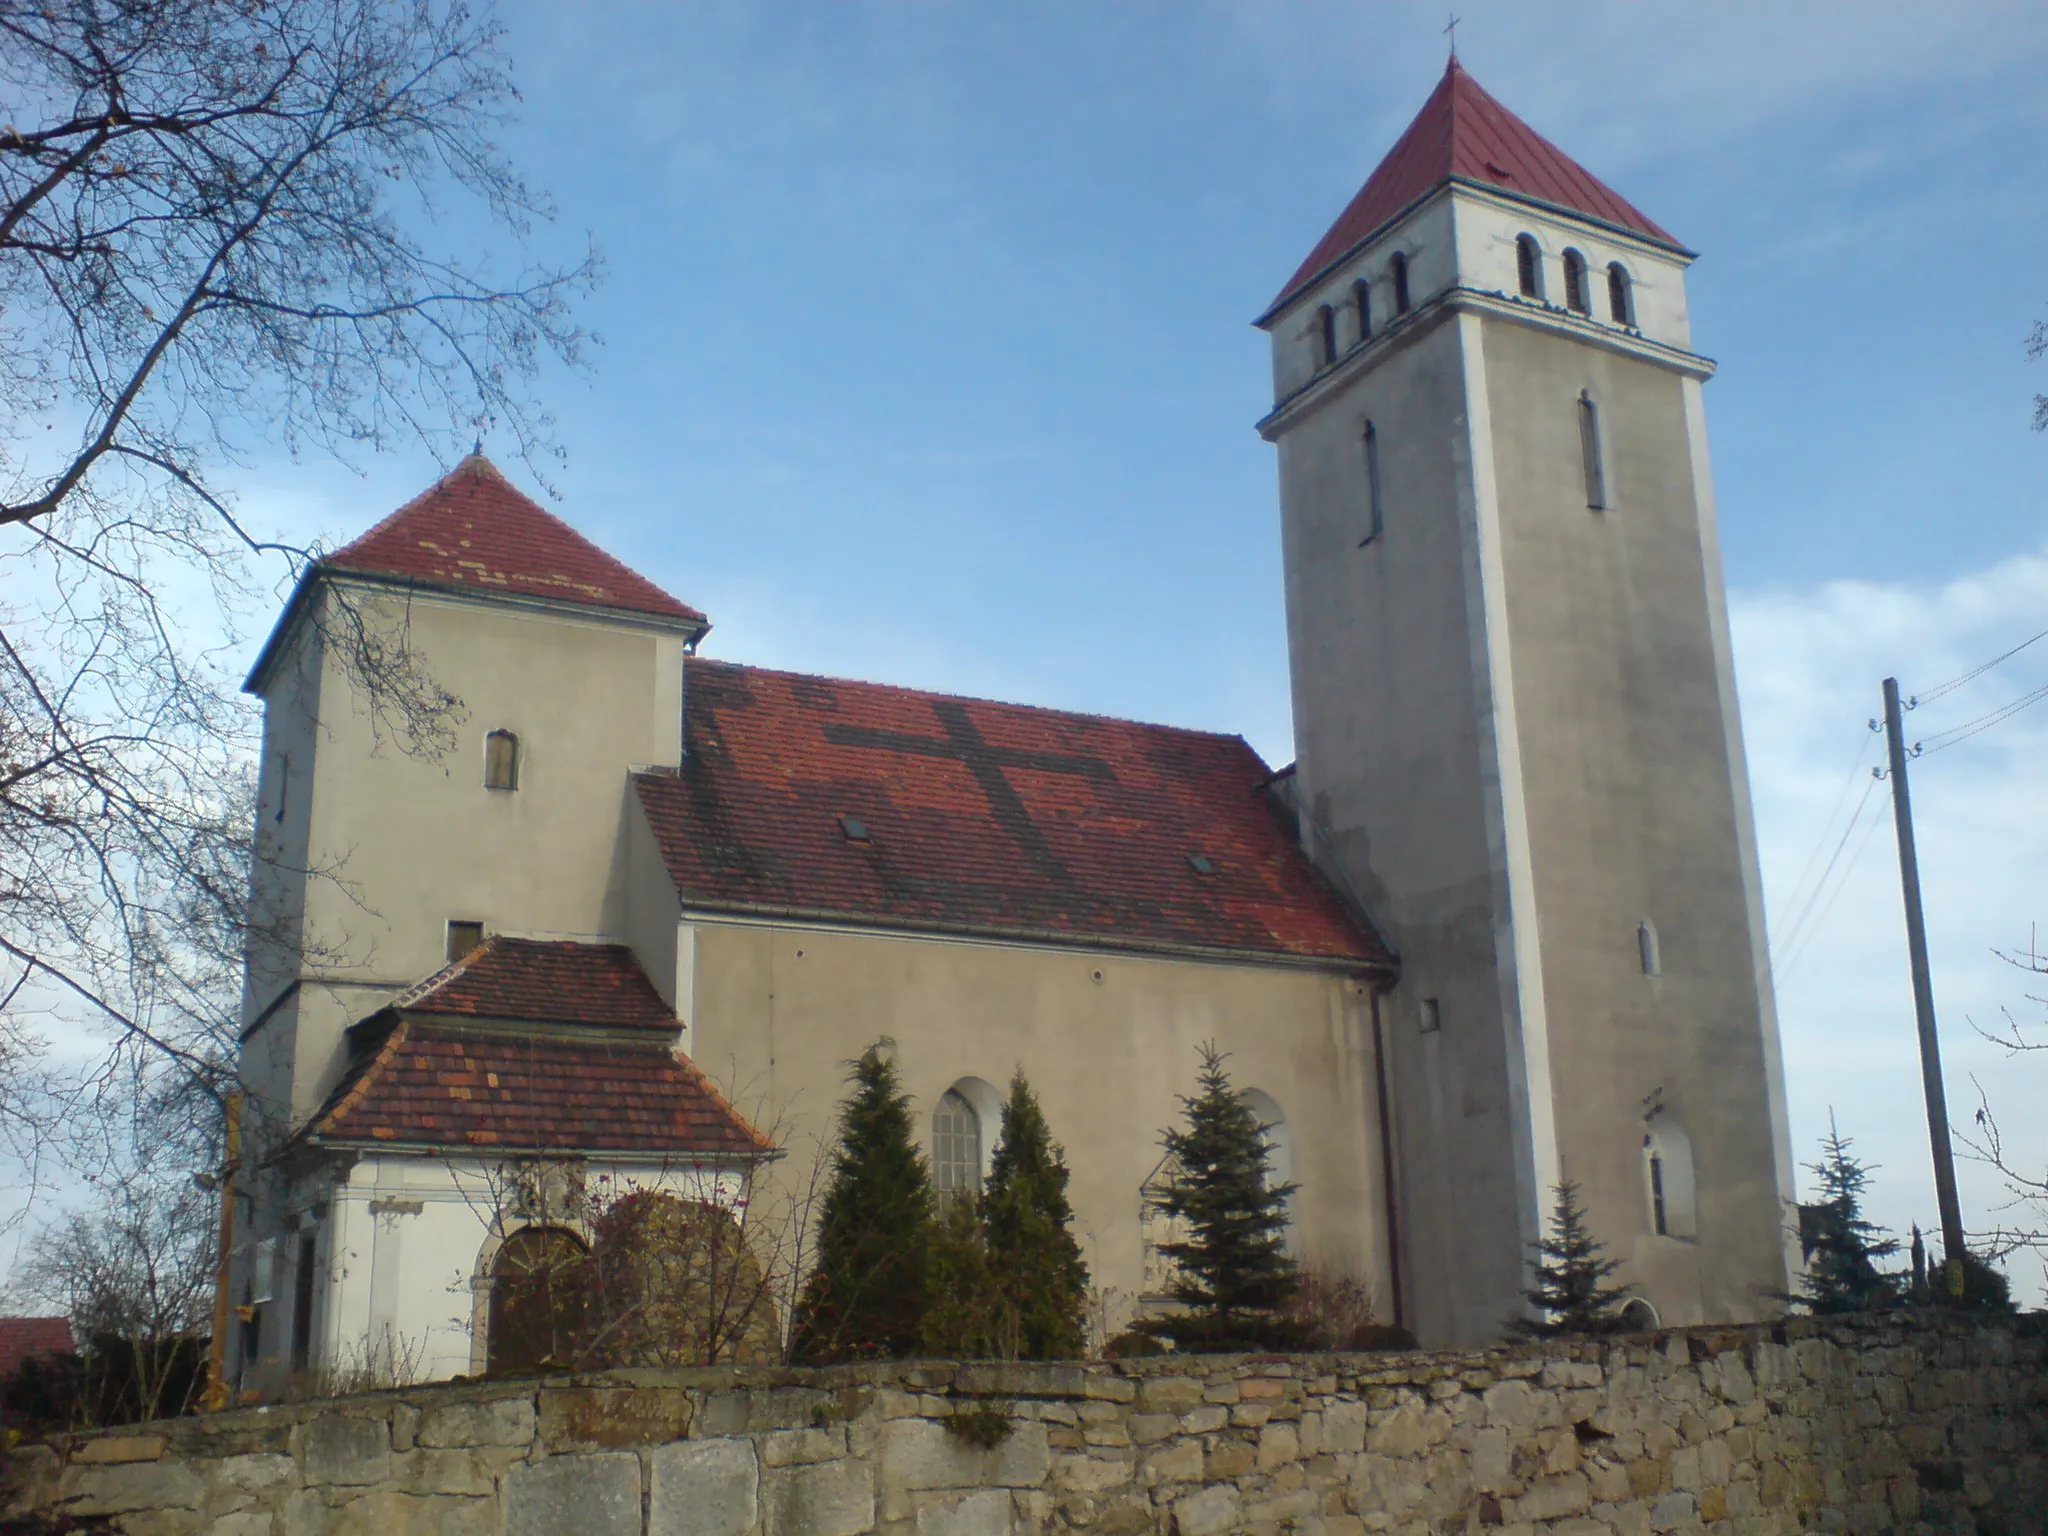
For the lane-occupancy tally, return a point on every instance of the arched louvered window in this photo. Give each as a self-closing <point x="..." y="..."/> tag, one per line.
<point x="501" y="760"/>
<point x="1647" y="949"/>
<point x="1668" y="1179"/>
<point x="1326" y="336"/>
<point x="1529" y="266"/>
<point x="1397" y="269"/>
<point x="1361" y="300"/>
<point x="1575" y="283"/>
<point x="1620" y="299"/>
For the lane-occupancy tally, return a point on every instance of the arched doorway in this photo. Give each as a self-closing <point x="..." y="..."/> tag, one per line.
<point x="540" y="1288"/>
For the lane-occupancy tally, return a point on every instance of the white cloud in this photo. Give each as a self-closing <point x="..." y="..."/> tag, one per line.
<point x="1810" y="663"/>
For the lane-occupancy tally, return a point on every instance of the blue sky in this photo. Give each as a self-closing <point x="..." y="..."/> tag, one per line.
<point x="928" y="358"/>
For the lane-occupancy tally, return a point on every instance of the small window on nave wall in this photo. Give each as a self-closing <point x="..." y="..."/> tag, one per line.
<point x="1361" y="301"/>
<point x="1397" y="269"/>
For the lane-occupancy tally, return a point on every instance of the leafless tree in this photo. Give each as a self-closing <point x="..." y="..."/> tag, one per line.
<point x="2026" y="1185"/>
<point x="224" y="228"/>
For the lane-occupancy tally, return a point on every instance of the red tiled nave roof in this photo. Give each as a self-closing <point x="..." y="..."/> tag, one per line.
<point x="474" y="529"/>
<point x="1463" y="134"/>
<point x="984" y="817"/>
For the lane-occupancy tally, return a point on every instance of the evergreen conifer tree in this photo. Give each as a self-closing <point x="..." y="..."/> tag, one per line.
<point x="1235" y="1273"/>
<point x="867" y="1297"/>
<point x="1034" y="1262"/>
<point x="1842" y="1248"/>
<point x="963" y="1311"/>
<point x="1570" y="1266"/>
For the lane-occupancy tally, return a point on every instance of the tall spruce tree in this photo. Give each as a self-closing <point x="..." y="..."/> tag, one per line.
<point x="1842" y="1247"/>
<point x="1039" y="1275"/>
<point x="1234" y="1271"/>
<point x="867" y="1297"/>
<point x="1570" y="1265"/>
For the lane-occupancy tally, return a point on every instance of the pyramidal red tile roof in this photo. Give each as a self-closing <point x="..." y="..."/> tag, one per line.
<point x="474" y="529"/>
<point x="889" y="806"/>
<point x="591" y="1065"/>
<point x="1463" y="134"/>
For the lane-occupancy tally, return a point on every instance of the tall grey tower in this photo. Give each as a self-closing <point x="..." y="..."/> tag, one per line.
<point x="1516" y="721"/>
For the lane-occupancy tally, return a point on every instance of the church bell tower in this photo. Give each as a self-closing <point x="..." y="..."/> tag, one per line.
<point x="1516" y="723"/>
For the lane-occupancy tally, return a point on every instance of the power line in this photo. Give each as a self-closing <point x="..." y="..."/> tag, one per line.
<point x="1800" y="926"/>
<point x="1813" y="930"/>
<point x="1800" y="896"/>
<point x="1941" y="741"/>
<point x="1931" y="694"/>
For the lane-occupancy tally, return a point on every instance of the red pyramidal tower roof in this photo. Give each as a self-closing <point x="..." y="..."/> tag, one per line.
<point x="474" y="529"/>
<point x="1463" y="134"/>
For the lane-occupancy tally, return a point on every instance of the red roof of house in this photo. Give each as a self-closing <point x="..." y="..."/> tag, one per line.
<point x="1464" y="134"/>
<point x="544" y="981"/>
<point x="474" y="529"/>
<point x="438" y="1066"/>
<point x="22" y="1337"/>
<point x="983" y="817"/>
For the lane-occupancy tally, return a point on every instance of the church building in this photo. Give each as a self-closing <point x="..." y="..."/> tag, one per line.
<point x="553" y="890"/>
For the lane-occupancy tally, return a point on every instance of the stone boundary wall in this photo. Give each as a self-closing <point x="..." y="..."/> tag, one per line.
<point x="1926" y="1424"/>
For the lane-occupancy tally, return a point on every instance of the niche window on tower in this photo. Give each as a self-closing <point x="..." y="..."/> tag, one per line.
<point x="1375" y="507"/>
<point x="1397" y="269"/>
<point x="1575" y="283"/>
<point x="501" y="760"/>
<point x="1590" y="449"/>
<point x="1621" y="304"/>
<point x="464" y="938"/>
<point x="1646" y="948"/>
<point x="1529" y="266"/>
<point x="1361" y="300"/>
<point x="1326" y="336"/>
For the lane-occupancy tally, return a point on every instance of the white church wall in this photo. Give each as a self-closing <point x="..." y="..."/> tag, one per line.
<point x="1109" y="1042"/>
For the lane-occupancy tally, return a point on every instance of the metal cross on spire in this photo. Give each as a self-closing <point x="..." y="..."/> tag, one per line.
<point x="1451" y="31"/>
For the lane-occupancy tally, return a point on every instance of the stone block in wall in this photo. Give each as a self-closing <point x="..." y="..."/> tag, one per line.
<point x="1553" y="1498"/>
<point x="703" y="1488"/>
<point x="987" y="1513"/>
<point x="1279" y="1444"/>
<point x="1168" y="1394"/>
<point x="924" y="1453"/>
<point x="1090" y="1474"/>
<point x="1147" y="1428"/>
<point x="799" y="1447"/>
<point x="1511" y="1405"/>
<point x="1208" y="1513"/>
<point x="386" y="1512"/>
<point x="590" y="1494"/>
<point x="1344" y="1427"/>
<point x="109" y="1449"/>
<point x="1179" y="1463"/>
<point x="1029" y="1379"/>
<point x="611" y="1418"/>
<point x="343" y="1448"/>
<point x="1492" y="1464"/>
<point x="827" y="1498"/>
<point x="500" y="1421"/>
<point x="234" y="1480"/>
<point x="1384" y="1485"/>
<point x="125" y="1487"/>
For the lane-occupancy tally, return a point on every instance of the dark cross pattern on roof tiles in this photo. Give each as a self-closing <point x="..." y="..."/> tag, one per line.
<point x="964" y="744"/>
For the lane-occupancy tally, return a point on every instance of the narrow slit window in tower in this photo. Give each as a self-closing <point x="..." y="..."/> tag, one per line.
<point x="1620" y="301"/>
<point x="1361" y="300"/>
<point x="1326" y="335"/>
<point x="1575" y="283"/>
<point x="1432" y="1016"/>
<point x="1658" y="1215"/>
<point x="1398" y="270"/>
<point x="1529" y="266"/>
<point x="1646" y="948"/>
<point x="1589" y="445"/>
<point x="1375" y="508"/>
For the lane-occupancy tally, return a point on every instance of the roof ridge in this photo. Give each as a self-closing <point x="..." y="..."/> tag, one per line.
<point x="971" y="698"/>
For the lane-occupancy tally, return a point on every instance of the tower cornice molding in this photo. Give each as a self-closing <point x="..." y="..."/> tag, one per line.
<point x="1535" y="314"/>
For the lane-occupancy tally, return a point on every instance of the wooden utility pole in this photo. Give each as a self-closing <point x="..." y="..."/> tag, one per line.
<point x="1923" y="999"/>
<point x="215" y="1397"/>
